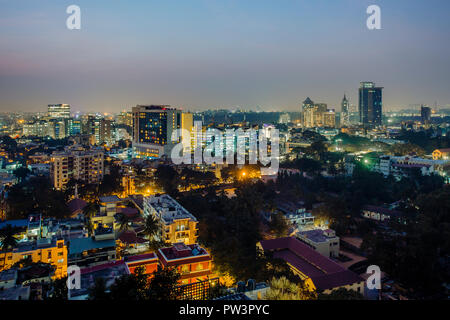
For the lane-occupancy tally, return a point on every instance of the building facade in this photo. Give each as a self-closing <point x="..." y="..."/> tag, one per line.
<point x="176" y="223"/>
<point x="153" y="126"/>
<point x="370" y="104"/>
<point x="77" y="163"/>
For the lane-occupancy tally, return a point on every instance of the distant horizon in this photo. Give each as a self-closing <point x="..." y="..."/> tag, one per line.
<point x="206" y="53"/>
<point x="414" y="107"/>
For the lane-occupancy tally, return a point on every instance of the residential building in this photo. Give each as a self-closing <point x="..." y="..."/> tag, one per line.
<point x="78" y="163"/>
<point x="177" y="224"/>
<point x="192" y="261"/>
<point x="108" y="271"/>
<point x="148" y="261"/>
<point x="47" y="250"/>
<point x="319" y="272"/>
<point x="323" y="241"/>
<point x="441" y="154"/>
<point x="88" y="251"/>
<point x="380" y="213"/>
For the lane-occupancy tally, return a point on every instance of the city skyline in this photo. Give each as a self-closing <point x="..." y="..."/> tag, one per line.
<point x="248" y="56"/>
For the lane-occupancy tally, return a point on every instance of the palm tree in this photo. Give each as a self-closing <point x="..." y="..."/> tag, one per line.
<point x="151" y="226"/>
<point x="283" y="289"/>
<point x="123" y="221"/>
<point x="91" y="209"/>
<point x="8" y="238"/>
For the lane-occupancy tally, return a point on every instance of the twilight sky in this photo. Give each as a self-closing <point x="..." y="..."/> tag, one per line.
<point x="200" y="54"/>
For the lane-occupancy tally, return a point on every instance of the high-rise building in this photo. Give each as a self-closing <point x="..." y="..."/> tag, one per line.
<point x="284" y="118"/>
<point x="308" y="113"/>
<point x="153" y="126"/>
<point x="329" y="118"/>
<point x="345" y="112"/>
<point x="425" y="114"/>
<point x="60" y="111"/>
<point x="370" y="104"/>
<point x="40" y="128"/>
<point x="78" y="163"/>
<point x="187" y="124"/>
<point x="317" y="115"/>
<point x="125" y="118"/>
<point x="101" y="129"/>
<point x="73" y="127"/>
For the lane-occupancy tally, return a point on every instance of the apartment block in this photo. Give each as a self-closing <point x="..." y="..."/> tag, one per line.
<point x="48" y="250"/>
<point x="77" y="163"/>
<point x="177" y="224"/>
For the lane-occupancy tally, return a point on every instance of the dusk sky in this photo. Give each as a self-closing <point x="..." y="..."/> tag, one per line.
<point x="200" y="54"/>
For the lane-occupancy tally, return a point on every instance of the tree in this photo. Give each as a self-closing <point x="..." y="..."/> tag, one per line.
<point x="278" y="225"/>
<point x="91" y="209"/>
<point x="123" y="221"/>
<point x="21" y="173"/>
<point x="341" y="294"/>
<point x="151" y="226"/>
<point x="168" y="179"/>
<point x="98" y="291"/>
<point x="8" y="237"/>
<point x="283" y="289"/>
<point x="58" y="289"/>
<point x="163" y="284"/>
<point x="130" y="287"/>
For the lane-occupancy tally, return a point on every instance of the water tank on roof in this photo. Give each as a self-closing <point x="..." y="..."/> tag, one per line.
<point x="240" y="286"/>
<point x="251" y="284"/>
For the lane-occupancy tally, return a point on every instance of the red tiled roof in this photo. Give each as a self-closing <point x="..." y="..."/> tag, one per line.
<point x="76" y="204"/>
<point x="147" y="256"/>
<point x="128" y="211"/>
<point x="130" y="237"/>
<point x="102" y="266"/>
<point x="324" y="273"/>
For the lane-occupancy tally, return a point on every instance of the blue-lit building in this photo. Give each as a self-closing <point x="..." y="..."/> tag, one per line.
<point x="370" y="104"/>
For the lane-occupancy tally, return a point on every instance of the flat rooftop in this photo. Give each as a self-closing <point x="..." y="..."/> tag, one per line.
<point x="108" y="271"/>
<point x="181" y="250"/>
<point x="315" y="235"/>
<point x="168" y="209"/>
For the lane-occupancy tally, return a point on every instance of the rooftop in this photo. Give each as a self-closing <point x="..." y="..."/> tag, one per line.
<point x="168" y="209"/>
<point x="108" y="271"/>
<point x="109" y="199"/>
<point x="181" y="250"/>
<point x="78" y="245"/>
<point x="324" y="273"/>
<point x="317" y="235"/>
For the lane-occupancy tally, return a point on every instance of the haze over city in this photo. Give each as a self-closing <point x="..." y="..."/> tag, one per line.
<point x="214" y="54"/>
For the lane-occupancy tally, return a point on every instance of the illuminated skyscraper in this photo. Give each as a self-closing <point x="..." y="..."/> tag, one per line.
<point x="345" y="112"/>
<point x="370" y="104"/>
<point x="59" y="111"/>
<point x="153" y="126"/>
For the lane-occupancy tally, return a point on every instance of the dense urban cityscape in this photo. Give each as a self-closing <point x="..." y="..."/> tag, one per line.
<point x="100" y="192"/>
<point x="211" y="175"/>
